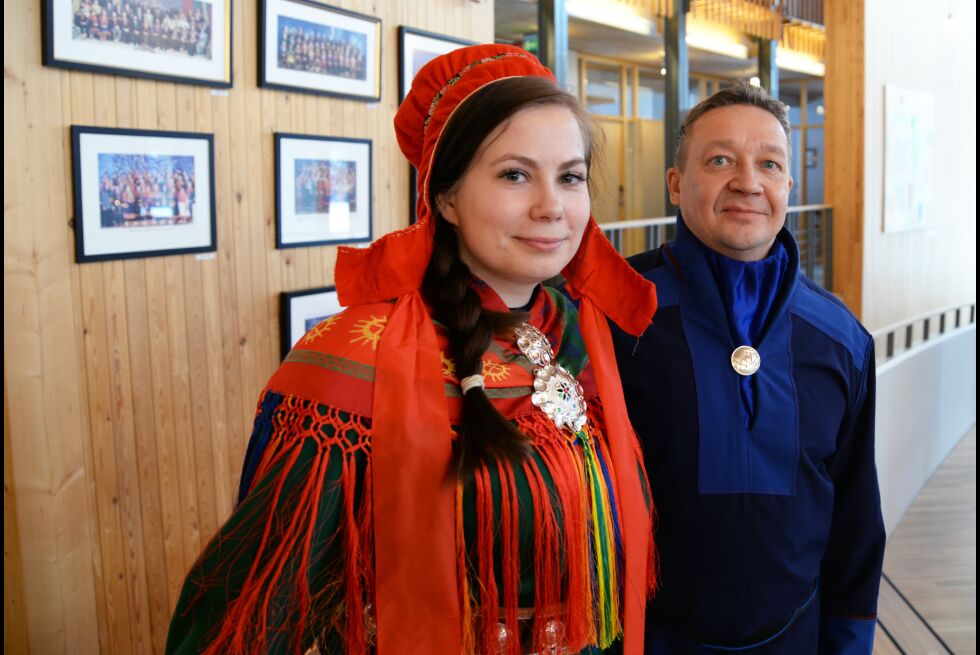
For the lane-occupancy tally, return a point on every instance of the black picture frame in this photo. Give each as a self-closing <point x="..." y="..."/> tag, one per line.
<point x="353" y="68"/>
<point x="299" y="311"/>
<point x="323" y="190"/>
<point x="75" y="37"/>
<point x="142" y="193"/>
<point x="418" y="47"/>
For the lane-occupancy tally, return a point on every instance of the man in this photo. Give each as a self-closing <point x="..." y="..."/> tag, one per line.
<point x="753" y="395"/>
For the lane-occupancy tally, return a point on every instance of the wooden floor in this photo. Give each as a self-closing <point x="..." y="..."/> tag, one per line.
<point x="928" y="600"/>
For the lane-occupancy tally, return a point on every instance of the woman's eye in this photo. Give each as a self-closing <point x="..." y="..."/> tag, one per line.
<point x="572" y="178"/>
<point x="513" y="175"/>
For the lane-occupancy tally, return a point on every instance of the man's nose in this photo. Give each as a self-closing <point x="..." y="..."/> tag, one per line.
<point x="547" y="202"/>
<point x="746" y="179"/>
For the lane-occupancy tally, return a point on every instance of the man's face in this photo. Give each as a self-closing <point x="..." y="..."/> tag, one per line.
<point x="734" y="182"/>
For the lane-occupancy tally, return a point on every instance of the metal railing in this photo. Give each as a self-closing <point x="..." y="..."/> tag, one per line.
<point x="811" y="225"/>
<point x="900" y="337"/>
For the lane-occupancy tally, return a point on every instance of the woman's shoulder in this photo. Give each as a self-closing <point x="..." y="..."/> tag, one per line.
<point x="354" y="333"/>
<point x="334" y="362"/>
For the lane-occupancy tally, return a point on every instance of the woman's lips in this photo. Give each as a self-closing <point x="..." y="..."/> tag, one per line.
<point x="541" y="244"/>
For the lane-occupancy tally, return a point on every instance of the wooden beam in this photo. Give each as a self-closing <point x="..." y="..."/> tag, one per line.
<point x="844" y="133"/>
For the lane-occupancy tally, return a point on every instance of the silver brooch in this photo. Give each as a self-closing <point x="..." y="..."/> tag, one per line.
<point x="746" y="360"/>
<point x="556" y="392"/>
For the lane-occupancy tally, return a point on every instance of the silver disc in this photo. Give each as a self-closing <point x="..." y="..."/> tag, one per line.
<point x="746" y="360"/>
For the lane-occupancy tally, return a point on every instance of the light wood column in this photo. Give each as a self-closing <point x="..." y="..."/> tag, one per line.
<point x="844" y="133"/>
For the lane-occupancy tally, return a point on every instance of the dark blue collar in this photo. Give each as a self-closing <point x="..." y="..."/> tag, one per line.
<point x="689" y="257"/>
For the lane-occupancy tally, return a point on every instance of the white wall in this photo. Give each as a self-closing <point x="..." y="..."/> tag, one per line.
<point x="908" y="44"/>
<point x="926" y="401"/>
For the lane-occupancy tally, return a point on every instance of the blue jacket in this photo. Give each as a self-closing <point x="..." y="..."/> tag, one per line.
<point x="770" y="534"/>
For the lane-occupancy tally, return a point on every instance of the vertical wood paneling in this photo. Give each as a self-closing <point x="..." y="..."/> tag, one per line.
<point x="844" y="134"/>
<point x="130" y="386"/>
<point x="14" y="625"/>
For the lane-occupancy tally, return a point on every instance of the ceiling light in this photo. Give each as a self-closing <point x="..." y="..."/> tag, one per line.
<point x="796" y="61"/>
<point x="611" y="14"/>
<point x="715" y="38"/>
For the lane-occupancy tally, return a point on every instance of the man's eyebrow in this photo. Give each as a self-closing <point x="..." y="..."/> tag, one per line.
<point x="726" y="143"/>
<point x="531" y="163"/>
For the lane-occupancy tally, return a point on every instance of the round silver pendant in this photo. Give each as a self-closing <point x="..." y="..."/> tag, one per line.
<point x="559" y="395"/>
<point x="746" y="360"/>
<point x="556" y="392"/>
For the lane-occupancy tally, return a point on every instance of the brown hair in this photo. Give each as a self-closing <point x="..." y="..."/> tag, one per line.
<point x="740" y="93"/>
<point x="483" y="432"/>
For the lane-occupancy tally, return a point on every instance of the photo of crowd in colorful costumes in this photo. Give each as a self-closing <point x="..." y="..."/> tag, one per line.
<point x="447" y="466"/>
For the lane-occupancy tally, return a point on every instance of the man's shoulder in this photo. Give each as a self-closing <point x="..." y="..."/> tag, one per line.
<point x="828" y="314"/>
<point x="647" y="261"/>
<point x="653" y="265"/>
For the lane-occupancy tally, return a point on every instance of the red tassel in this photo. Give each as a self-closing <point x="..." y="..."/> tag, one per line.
<point x="548" y="574"/>
<point x="565" y="468"/>
<point x="489" y="598"/>
<point x="275" y="604"/>
<point x="510" y="554"/>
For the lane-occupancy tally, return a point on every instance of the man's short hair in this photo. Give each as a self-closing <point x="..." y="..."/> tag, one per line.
<point x="740" y="93"/>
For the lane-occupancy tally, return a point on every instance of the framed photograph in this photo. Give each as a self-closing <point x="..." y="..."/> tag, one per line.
<point x="176" y="40"/>
<point x="301" y="311"/>
<point x="323" y="190"/>
<point x="416" y="49"/>
<point x="313" y="48"/>
<point x="141" y="193"/>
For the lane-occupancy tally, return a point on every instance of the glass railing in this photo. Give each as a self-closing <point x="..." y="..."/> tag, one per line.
<point x="811" y="225"/>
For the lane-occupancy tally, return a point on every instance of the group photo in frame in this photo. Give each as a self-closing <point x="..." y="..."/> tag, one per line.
<point x="315" y="48"/>
<point x="323" y="190"/>
<point x="416" y="48"/>
<point x="142" y="193"/>
<point x="301" y="311"/>
<point x="185" y="41"/>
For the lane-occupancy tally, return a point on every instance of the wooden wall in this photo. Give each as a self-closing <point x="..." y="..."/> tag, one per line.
<point x="130" y="385"/>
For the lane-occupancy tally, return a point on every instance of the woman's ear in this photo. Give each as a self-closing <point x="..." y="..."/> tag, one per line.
<point x="446" y="206"/>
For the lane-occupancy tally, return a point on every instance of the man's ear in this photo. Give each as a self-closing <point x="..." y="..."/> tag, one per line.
<point x="446" y="205"/>
<point x="674" y="185"/>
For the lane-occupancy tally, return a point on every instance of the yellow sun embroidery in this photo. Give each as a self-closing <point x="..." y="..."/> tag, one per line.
<point x="321" y="328"/>
<point x="448" y="365"/>
<point x="369" y="331"/>
<point x="494" y="371"/>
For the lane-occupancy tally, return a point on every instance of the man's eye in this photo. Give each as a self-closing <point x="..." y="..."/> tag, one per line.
<point x="719" y="161"/>
<point x="771" y="165"/>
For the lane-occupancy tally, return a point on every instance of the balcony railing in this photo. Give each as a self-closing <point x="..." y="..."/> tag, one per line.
<point x="895" y="339"/>
<point x="811" y="225"/>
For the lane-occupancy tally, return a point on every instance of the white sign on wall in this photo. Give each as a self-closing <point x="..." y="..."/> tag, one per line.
<point x="909" y="162"/>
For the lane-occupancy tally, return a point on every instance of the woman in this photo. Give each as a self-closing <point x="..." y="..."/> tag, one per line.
<point x="368" y="520"/>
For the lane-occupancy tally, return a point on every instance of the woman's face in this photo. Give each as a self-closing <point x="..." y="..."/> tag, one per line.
<point x="522" y="206"/>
